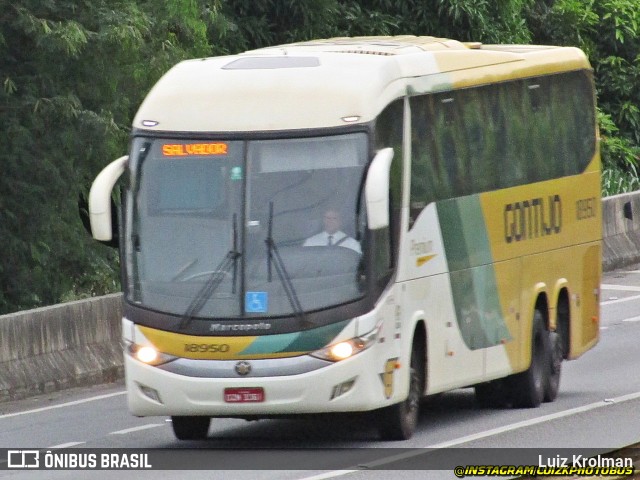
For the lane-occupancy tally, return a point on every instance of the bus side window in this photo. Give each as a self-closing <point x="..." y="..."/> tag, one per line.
<point x="424" y="169"/>
<point x="483" y="169"/>
<point x="571" y="113"/>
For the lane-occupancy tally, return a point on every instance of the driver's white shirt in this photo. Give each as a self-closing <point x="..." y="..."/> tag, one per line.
<point x="322" y="239"/>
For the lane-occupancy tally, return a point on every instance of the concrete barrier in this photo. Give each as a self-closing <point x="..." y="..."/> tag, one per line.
<point x="620" y="231"/>
<point x="61" y="346"/>
<point x="79" y="343"/>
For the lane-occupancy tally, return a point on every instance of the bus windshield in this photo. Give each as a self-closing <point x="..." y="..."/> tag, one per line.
<point x="273" y="227"/>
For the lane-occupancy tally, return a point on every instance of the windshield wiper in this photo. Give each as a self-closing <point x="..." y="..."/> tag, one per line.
<point x="273" y="257"/>
<point x="229" y="261"/>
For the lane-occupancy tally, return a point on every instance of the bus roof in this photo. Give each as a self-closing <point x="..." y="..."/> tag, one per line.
<point x="320" y="83"/>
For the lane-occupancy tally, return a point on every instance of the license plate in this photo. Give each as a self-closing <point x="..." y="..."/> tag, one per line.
<point x="244" y="395"/>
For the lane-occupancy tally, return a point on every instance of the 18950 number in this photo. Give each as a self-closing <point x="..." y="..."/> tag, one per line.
<point x="206" y="347"/>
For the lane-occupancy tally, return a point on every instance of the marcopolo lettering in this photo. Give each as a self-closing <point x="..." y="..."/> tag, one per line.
<point x="533" y="218"/>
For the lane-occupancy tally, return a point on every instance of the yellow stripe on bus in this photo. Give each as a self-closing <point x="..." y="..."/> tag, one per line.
<point x="206" y="348"/>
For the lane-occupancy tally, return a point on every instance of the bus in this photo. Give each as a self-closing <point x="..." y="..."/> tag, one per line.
<point x="465" y="178"/>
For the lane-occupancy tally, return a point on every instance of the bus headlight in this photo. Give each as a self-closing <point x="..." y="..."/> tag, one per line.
<point x="148" y="355"/>
<point x="347" y="348"/>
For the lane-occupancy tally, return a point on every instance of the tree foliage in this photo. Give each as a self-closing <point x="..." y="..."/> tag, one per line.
<point x="73" y="72"/>
<point x="480" y="20"/>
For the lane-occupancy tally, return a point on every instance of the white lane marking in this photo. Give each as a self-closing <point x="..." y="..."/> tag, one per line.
<point x="62" y="405"/>
<point x="537" y="420"/>
<point x="622" y="288"/>
<point x="137" y="429"/>
<point x="335" y="473"/>
<point x="67" y="445"/>
<point x="481" y="435"/>
<point x="632" y="319"/>
<point x="620" y="300"/>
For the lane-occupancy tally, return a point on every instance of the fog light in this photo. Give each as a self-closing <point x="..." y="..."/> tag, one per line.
<point x="149" y="392"/>
<point x="342" y="388"/>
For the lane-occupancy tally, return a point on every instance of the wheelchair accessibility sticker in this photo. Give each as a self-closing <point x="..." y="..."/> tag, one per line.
<point x="256" y="302"/>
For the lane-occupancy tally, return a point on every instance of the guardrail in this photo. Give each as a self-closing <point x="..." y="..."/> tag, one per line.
<point x="79" y="343"/>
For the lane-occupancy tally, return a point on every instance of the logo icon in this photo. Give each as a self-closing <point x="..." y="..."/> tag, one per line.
<point x="243" y="368"/>
<point x="256" y="302"/>
<point x="23" y="459"/>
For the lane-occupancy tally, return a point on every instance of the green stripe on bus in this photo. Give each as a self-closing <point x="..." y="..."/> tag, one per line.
<point x="305" y="341"/>
<point x="473" y="279"/>
<point x="464" y="232"/>
<point x="478" y="310"/>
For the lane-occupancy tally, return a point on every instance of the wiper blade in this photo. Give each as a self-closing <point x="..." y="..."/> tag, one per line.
<point x="210" y="286"/>
<point x="213" y="282"/>
<point x="273" y="257"/>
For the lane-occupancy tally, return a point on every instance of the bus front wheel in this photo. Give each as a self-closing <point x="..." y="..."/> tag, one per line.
<point x="190" y="428"/>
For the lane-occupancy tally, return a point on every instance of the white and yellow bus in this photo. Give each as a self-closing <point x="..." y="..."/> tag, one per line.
<point x="466" y="178"/>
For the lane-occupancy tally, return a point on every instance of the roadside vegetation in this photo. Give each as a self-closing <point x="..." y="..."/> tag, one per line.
<point x="73" y="73"/>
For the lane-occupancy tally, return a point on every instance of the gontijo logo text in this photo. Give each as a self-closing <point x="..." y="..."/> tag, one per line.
<point x="532" y="218"/>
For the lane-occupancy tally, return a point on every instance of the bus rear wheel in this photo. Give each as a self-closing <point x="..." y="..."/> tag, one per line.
<point x="528" y="388"/>
<point x="554" y="367"/>
<point x="399" y="421"/>
<point x="190" y="428"/>
<point x="559" y="345"/>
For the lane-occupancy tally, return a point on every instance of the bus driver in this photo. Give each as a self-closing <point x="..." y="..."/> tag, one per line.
<point x="332" y="235"/>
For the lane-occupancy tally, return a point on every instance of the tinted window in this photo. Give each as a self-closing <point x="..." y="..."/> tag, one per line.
<point x="501" y="135"/>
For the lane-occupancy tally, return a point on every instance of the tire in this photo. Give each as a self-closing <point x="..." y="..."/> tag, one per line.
<point x="399" y="421"/>
<point x="559" y="350"/>
<point x="562" y="326"/>
<point x="190" y="428"/>
<point x="554" y="367"/>
<point x="528" y="388"/>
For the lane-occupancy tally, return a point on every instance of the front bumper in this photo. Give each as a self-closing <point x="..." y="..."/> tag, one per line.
<point x="155" y="391"/>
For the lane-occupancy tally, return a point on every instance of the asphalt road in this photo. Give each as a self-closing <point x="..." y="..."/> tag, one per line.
<point x="597" y="407"/>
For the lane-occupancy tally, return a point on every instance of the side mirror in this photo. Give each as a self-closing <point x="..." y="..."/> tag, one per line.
<point x="100" y="199"/>
<point x="376" y="189"/>
<point x="83" y="213"/>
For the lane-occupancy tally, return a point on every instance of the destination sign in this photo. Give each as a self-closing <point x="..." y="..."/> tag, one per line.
<point x="190" y="149"/>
